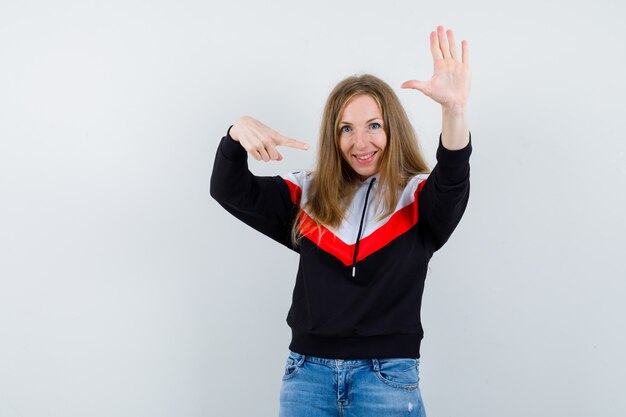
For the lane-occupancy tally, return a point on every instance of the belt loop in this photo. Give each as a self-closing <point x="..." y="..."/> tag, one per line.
<point x="301" y="360"/>
<point x="375" y="364"/>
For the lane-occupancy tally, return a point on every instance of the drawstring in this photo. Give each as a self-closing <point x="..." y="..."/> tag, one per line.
<point x="358" y="236"/>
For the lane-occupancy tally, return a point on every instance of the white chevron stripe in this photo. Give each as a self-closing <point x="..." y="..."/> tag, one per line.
<point x="348" y="230"/>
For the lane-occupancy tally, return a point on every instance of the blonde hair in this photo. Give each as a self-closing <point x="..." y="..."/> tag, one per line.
<point x="334" y="182"/>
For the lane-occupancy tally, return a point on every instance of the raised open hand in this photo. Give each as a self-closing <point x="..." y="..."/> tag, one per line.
<point x="450" y="84"/>
<point x="261" y="141"/>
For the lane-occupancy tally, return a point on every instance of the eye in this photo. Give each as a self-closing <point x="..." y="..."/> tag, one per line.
<point x="375" y="125"/>
<point x="345" y="129"/>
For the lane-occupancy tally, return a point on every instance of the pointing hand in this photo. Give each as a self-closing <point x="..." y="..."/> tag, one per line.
<point x="261" y="141"/>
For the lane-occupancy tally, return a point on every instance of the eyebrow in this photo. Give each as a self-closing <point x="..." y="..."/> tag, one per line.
<point x="370" y="120"/>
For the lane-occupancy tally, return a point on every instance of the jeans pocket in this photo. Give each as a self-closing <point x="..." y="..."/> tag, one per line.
<point x="293" y="365"/>
<point x="398" y="372"/>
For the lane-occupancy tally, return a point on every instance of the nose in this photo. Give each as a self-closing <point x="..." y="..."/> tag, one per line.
<point x="360" y="139"/>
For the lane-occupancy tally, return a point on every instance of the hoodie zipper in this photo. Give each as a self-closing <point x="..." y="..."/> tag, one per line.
<point x="358" y="236"/>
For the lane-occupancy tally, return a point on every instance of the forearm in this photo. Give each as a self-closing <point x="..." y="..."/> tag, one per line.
<point x="455" y="128"/>
<point x="230" y="179"/>
<point x="445" y="195"/>
<point x="263" y="203"/>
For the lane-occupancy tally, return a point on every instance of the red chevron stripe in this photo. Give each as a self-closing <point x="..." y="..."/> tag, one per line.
<point x="295" y="191"/>
<point x="400" y="222"/>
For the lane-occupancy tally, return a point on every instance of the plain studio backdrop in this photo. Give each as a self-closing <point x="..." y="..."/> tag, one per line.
<point x="126" y="291"/>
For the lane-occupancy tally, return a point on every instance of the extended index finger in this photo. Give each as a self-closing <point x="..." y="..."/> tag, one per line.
<point x="292" y="143"/>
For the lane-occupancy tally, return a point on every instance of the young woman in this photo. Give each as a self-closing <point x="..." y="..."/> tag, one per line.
<point x="366" y="223"/>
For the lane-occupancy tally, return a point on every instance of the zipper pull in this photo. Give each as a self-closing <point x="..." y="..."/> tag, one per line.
<point x="353" y="271"/>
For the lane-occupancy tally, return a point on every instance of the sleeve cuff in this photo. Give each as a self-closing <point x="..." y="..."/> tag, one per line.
<point x="449" y="157"/>
<point x="231" y="149"/>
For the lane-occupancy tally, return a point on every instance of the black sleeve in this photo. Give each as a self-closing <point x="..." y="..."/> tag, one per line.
<point x="263" y="203"/>
<point x="444" y="197"/>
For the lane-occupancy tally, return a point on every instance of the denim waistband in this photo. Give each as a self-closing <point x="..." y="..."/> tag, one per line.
<point x="299" y="358"/>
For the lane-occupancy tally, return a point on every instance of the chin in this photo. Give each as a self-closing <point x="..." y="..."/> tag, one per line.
<point x="364" y="173"/>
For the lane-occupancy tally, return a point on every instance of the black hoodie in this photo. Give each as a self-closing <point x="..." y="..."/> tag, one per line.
<point x="358" y="289"/>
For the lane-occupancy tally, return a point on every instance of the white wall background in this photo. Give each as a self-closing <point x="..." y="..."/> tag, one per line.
<point x="126" y="291"/>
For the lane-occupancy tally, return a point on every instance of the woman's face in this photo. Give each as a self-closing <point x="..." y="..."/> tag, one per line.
<point x="362" y="138"/>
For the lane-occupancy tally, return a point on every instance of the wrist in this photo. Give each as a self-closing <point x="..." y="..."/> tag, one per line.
<point x="454" y="110"/>
<point x="455" y="127"/>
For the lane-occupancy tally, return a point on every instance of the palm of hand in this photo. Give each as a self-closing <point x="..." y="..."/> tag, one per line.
<point x="450" y="83"/>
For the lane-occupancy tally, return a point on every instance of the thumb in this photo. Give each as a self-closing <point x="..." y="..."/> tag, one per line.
<point x="415" y="84"/>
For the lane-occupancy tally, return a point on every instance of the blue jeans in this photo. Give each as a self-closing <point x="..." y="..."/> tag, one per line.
<point x="321" y="387"/>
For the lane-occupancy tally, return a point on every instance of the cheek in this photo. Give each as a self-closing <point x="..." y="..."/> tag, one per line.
<point x="381" y="141"/>
<point x="344" y="147"/>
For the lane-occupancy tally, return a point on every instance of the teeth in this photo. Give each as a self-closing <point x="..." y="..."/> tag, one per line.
<point x="366" y="156"/>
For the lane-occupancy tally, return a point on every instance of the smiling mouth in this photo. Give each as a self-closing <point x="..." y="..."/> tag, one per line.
<point x="365" y="157"/>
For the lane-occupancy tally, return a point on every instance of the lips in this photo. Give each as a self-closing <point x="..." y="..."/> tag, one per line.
<point x="364" y="157"/>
